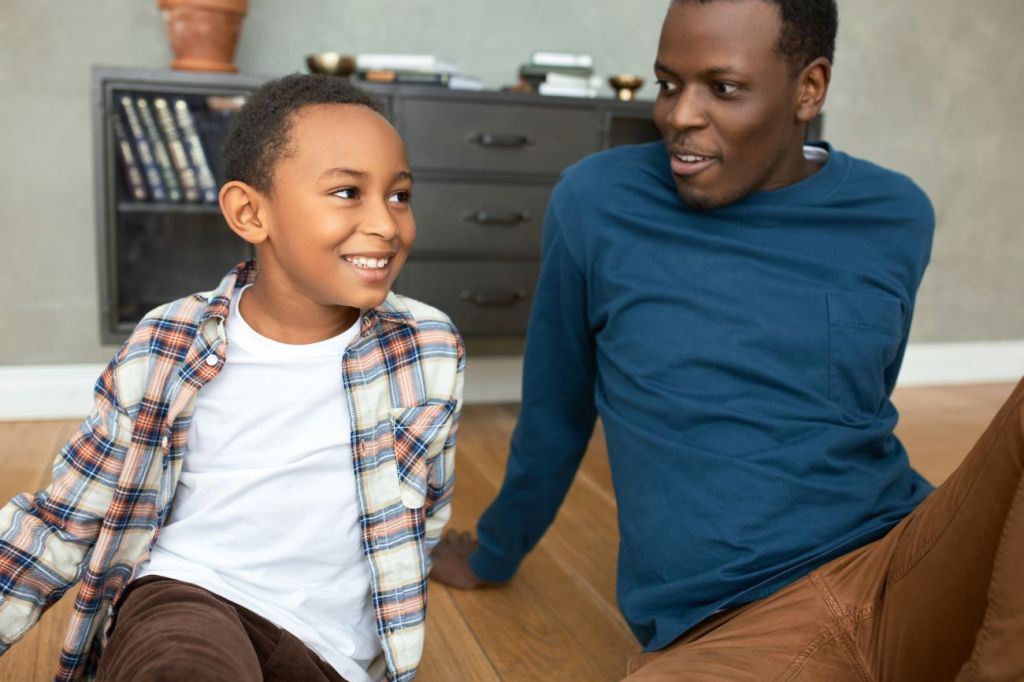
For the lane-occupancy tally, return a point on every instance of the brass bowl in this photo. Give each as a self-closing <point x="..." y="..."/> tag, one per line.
<point x="331" y="63"/>
<point x="626" y="85"/>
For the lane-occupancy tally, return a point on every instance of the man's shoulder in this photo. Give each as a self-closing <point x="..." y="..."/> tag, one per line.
<point x="620" y="161"/>
<point x="613" y="178"/>
<point x="871" y="182"/>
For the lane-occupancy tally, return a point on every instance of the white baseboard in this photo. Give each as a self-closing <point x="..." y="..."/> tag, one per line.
<point x="65" y="391"/>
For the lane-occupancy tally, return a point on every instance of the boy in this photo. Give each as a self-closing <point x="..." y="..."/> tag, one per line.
<point x="268" y="465"/>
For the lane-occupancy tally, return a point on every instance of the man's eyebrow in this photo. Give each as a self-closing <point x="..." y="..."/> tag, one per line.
<point x="709" y="72"/>
<point x="403" y="175"/>
<point x="658" y="66"/>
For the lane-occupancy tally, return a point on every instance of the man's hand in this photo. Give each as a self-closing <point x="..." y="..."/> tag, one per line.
<point x="450" y="560"/>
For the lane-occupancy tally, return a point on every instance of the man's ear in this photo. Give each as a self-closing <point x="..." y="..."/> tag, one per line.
<point x="241" y="205"/>
<point x="812" y="87"/>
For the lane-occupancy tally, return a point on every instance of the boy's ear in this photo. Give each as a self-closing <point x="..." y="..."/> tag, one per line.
<point x="240" y="204"/>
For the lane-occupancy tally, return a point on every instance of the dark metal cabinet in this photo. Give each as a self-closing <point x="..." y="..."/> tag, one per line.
<point x="484" y="162"/>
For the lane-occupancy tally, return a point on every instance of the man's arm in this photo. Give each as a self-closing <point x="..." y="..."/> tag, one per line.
<point x="46" y="538"/>
<point x="554" y="427"/>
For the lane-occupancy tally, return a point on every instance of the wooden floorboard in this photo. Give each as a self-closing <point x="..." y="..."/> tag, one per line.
<point x="557" y="620"/>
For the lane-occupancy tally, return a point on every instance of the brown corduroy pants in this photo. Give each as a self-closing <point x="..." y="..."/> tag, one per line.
<point x="173" y="631"/>
<point x="941" y="597"/>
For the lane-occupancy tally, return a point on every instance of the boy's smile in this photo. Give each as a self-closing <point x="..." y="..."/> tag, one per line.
<point x="336" y="224"/>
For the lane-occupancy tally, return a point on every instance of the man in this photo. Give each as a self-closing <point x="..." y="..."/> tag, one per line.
<point x="735" y="306"/>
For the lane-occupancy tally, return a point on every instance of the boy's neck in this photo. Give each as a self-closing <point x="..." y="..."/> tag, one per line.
<point x="287" y="318"/>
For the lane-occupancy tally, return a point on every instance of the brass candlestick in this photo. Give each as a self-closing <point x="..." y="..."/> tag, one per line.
<point x="626" y="85"/>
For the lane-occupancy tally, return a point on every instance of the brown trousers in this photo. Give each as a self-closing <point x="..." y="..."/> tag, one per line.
<point x="941" y="597"/>
<point x="171" y="631"/>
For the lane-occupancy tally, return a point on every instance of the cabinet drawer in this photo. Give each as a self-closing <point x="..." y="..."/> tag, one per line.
<point x="483" y="298"/>
<point x="496" y="137"/>
<point x="479" y="218"/>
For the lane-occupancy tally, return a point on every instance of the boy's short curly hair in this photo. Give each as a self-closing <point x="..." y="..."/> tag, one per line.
<point x="258" y="137"/>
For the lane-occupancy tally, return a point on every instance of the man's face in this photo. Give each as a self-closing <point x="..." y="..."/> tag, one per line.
<point x="727" y="101"/>
<point x="340" y="223"/>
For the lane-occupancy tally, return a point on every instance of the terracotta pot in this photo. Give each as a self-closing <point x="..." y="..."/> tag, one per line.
<point x="203" y="33"/>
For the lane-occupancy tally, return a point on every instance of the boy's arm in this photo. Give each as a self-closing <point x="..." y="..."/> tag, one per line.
<point x="437" y="508"/>
<point x="46" y="538"/>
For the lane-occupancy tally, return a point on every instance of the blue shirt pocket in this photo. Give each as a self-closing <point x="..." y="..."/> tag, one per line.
<point x="865" y="335"/>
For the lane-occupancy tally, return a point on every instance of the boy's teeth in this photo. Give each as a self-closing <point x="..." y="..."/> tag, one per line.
<point x="369" y="263"/>
<point x="688" y="158"/>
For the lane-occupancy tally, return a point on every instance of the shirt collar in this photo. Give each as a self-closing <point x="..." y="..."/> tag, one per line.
<point x="392" y="310"/>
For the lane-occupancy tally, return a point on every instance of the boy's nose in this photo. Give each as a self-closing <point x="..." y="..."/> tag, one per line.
<point x="381" y="222"/>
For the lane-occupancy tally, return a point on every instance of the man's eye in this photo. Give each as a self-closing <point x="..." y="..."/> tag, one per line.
<point x="400" y="197"/>
<point x="664" y="87"/>
<point x="725" y="88"/>
<point x="346" y="193"/>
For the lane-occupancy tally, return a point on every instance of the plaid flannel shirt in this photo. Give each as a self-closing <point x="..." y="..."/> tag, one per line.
<point x="114" y="481"/>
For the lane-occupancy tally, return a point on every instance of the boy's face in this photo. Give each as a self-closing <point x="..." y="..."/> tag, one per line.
<point x="340" y="225"/>
<point x="727" y="105"/>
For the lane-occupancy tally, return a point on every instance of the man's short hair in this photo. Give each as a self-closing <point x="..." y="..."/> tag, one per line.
<point x="808" y="29"/>
<point x="258" y="138"/>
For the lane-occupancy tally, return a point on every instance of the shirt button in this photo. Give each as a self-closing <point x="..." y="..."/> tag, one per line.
<point x="212" y="359"/>
<point x="164" y="442"/>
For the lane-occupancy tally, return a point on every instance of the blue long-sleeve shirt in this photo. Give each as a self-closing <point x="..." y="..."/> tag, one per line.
<point x="741" y="361"/>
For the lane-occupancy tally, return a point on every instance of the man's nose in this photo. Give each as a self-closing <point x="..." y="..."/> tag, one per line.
<point x="688" y="111"/>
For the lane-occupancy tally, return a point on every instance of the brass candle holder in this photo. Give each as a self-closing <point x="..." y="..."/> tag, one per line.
<point x="625" y="85"/>
<point x="331" y="63"/>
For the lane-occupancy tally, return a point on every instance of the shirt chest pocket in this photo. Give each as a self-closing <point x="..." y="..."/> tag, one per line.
<point x="865" y="334"/>
<point x="419" y="434"/>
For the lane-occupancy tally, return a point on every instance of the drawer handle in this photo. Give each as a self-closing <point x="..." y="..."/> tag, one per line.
<point x="504" y="140"/>
<point x="494" y="298"/>
<point x="485" y="217"/>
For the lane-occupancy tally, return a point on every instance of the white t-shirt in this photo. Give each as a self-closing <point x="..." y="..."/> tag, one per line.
<point x="266" y="512"/>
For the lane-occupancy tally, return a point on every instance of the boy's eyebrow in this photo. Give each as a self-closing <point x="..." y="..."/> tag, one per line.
<point x="362" y="175"/>
<point x="335" y="172"/>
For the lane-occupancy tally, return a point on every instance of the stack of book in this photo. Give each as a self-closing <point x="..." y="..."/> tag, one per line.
<point x="161" y="153"/>
<point x="566" y="74"/>
<point x="420" y="69"/>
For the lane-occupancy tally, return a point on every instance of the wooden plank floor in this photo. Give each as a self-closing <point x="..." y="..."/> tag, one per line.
<point x="557" y="620"/>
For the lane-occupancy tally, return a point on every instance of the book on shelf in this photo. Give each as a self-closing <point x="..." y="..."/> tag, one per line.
<point x="398" y="76"/>
<point x="150" y="172"/>
<point x="187" y="124"/>
<point x="558" y="58"/>
<point x="454" y="81"/>
<point x="566" y="90"/>
<point x="176" y="148"/>
<point x="132" y="171"/>
<point x="159" y="149"/>
<point x="403" y="62"/>
<point x="542" y="72"/>
<point x="460" y="81"/>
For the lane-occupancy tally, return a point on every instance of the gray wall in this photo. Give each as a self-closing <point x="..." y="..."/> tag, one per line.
<point x="928" y="87"/>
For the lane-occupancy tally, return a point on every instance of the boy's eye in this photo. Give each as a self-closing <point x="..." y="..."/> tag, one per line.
<point x="403" y="196"/>
<point x="346" y="193"/>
